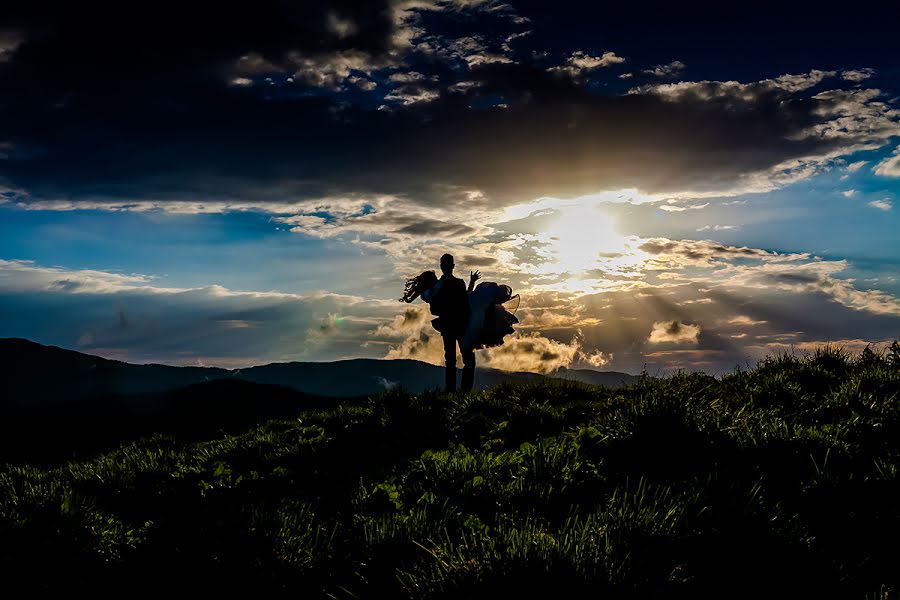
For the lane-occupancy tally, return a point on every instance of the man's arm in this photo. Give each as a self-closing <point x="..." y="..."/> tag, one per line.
<point x="429" y="295"/>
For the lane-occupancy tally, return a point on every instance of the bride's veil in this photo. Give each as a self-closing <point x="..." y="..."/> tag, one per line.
<point x="507" y="304"/>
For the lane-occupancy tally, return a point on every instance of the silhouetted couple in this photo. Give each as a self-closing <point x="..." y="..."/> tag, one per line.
<point x="467" y="317"/>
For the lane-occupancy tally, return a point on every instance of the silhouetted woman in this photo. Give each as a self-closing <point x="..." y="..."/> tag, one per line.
<point x="418" y="285"/>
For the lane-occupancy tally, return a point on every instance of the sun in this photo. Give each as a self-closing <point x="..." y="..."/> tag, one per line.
<point x="579" y="238"/>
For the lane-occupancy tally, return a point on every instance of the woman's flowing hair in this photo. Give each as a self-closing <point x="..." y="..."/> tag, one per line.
<point x="418" y="284"/>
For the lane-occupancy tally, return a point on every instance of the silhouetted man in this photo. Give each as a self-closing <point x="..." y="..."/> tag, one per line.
<point x="450" y="301"/>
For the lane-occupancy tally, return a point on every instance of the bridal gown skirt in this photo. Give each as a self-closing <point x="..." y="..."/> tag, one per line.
<point x="489" y="322"/>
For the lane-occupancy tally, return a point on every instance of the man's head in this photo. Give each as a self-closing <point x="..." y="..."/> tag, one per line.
<point x="447" y="264"/>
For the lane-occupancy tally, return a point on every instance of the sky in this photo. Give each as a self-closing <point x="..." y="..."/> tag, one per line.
<point x="665" y="187"/>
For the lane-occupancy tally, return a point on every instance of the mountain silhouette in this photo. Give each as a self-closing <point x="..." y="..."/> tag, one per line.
<point x="59" y="404"/>
<point x="35" y="374"/>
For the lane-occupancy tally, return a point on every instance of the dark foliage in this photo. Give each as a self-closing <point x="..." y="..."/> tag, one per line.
<point x="781" y="481"/>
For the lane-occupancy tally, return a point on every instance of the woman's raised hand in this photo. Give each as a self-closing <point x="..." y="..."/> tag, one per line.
<point x="473" y="277"/>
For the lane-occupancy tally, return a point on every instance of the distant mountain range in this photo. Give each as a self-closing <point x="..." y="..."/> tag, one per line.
<point x="35" y="374"/>
<point x="55" y="402"/>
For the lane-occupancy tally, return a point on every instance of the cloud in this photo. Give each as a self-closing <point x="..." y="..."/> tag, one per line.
<point x="596" y="359"/>
<point x="406" y="77"/>
<point x="463" y="87"/>
<point x="531" y="352"/>
<point x="581" y="63"/>
<point x="341" y="27"/>
<point x="9" y="43"/>
<point x="727" y="291"/>
<point x="312" y="76"/>
<point x="471" y="50"/>
<point x="797" y="83"/>
<point x="718" y="227"/>
<point x="425" y="345"/>
<point x="362" y="83"/>
<point x="678" y="208"/>
<point x="744" y="320"/>
<point x="674" y="332"/>
<point x="883" y="204"/>
<point x="668" y="71"/>
<point x="408" y="95"/>
<point x="845" y="120"/>
<point x="131" y="318"/>
<point x="890" y="166"/>
<point x="177" y="207"/>
<point x="181" y="133"/>
<point x="512" y="37"/>
<point x="410" y="321"/>
<point x="735" y="91"/>
<point x="335" y="69"/>
<point x="818" y="278"/>
<point x="559" y="318"/>
<point x="853" y="116"/>
<point x="700" y="253"/>
<point x="857" y="75"/>
<point x="856" y="166"/>
<point x="22" y="275"/>
<point x="711" y="263"/>
<point x="697" y="301"/>
<point x="403" y="230"/>
<point x="431" y="140"/>
<point x="387" y="383"/>
<point x="411" y="336"/>
<point x="849" y="193"/>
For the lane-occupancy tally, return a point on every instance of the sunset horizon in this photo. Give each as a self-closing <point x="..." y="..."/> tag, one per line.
<point x="678" y="190"/>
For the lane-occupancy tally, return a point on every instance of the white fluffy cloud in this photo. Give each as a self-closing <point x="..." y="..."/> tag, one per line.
<point x="597" y="358"/>
<point x="26" y="276"/>
<point x="128" y="317"/>
<point x="890" y="166"/>
<point x="534" y="353"/>
<point x="734" y="90"/>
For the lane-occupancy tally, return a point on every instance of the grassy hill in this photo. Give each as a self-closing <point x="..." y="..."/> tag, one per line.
<point x="781" y="481"/>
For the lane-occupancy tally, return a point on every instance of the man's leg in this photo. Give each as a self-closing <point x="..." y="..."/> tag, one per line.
<point x="468" y="374"/>
<point x="449" y="361"/>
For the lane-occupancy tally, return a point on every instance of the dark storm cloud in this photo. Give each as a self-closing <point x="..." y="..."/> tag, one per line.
<point x="431" y="227"/>
<point x="700" y="252"/>
<point x="140" y="103"/>
<point x="792" y="278"/>
<point x="72" y="44"/>
<point x="129" y="99"/>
